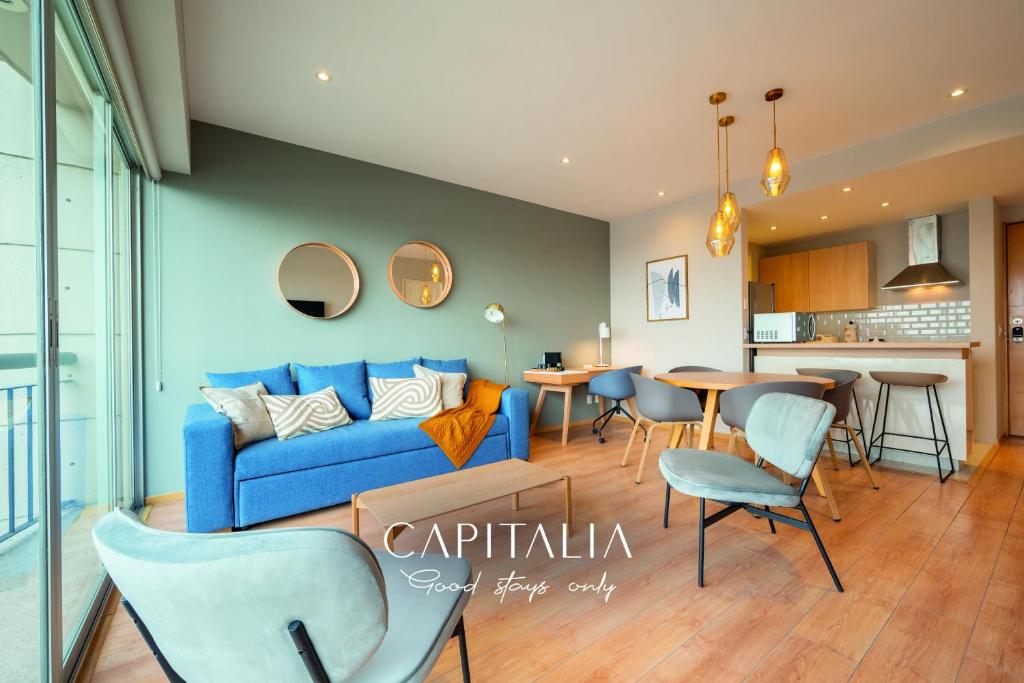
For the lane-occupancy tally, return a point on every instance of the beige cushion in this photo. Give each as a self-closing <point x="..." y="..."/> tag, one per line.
<point x="396" y="399"/>
<point x="250" y="420"/>
<point x="306" y="414"/>
<point x="452" y="384"/>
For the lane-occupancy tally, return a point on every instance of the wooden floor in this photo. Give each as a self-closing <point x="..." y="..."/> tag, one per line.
<point x="934" y="578"/>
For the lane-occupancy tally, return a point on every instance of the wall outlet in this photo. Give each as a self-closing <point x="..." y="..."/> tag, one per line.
<point x="590" y="399"/>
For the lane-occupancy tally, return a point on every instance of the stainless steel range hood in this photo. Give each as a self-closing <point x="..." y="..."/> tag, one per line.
<point x="925" y="269"/>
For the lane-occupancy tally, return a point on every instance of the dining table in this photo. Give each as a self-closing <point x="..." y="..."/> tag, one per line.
<point x="717" y="382"/>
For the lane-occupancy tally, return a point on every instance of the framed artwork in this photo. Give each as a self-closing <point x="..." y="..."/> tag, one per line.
<point x="667" y="290"/>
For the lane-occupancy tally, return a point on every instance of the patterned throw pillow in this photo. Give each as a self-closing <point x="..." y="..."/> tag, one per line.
<point x="451" y="384"/>
<point x="249" y="418"/>
<point x="395" y="399"/>
<point x="306" y="414"/>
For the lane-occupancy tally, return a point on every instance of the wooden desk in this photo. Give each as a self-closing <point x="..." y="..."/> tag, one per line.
<point x="562" y="383"/>
<point x="717" y="382"/>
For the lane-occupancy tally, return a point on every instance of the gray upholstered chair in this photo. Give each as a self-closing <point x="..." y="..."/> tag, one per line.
<point x="734" y="407"/>
<point x="784" y="430"/>
<point x="281" y="605"/>
<point x="843" y="396"/>
<point x="702" y="394"/>
<point x="661" y="404"/>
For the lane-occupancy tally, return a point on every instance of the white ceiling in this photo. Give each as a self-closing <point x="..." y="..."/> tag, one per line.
<point x="941" y="184"/>
<point x="493" y="95"/>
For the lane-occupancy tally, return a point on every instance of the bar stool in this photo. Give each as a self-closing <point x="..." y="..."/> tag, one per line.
<point x="927" y="381"/>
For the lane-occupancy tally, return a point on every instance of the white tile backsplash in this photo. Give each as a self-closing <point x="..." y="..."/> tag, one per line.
<point x="933" y="321"/>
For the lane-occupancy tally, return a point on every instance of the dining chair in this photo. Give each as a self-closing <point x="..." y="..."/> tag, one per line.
<point x="282" y="605"/>
<point x="614" y="385"/>
<point x="702" y="394"/>
<point x="843" y="396"/>
<point x="785" y="430"/>
<point x="735" y="406"/>
<point x="660" y="404"/>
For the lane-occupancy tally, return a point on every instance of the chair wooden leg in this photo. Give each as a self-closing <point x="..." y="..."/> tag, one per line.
<point x="689" y="436"/>
<point x="832" y="451"/>
<point x="643" y="455"/>
<point x="730" y="448"/>
<point x="863" y="458"/>
<point x="629" y="445"/>
<point x="821" y="483"/>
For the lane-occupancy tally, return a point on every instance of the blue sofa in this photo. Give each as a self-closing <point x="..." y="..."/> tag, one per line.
<point x="271" y="479"/>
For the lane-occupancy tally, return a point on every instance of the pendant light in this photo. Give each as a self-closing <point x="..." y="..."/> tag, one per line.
<point x="775" y="178"/>
<point x="435" y="272"/>
<point x="720" y="238"/>
<point x="728" y="205"/>
<point x="425" y="296"/>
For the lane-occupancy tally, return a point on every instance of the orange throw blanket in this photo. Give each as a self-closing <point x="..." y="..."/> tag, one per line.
<point x="458" y="431"/>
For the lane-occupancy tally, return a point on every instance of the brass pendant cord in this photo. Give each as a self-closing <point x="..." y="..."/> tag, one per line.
<point x="775" y="142"/>
<point x="727" y="159"/>
<point x="718" y="155"/>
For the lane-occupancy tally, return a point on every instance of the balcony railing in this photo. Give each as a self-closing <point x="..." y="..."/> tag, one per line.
<point x="11" y="396"/>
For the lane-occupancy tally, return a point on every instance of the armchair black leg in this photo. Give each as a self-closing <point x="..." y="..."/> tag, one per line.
<point x="171" y="674"/>
<point x="821" y="546"/>
<point x="700" y="547"/>
<point x="304" y="647"/>
<point x="668" y="495"/>
<point x="771" y="522"/>
<point x="460" y="631"/>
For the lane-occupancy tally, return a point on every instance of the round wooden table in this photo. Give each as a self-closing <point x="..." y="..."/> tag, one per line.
<point x="717" y="382"/>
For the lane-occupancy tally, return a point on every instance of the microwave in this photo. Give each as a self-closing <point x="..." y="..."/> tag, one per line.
<point x="783" y="327"/>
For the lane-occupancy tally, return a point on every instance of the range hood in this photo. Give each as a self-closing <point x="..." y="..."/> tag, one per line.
<point x="924" y="270"/>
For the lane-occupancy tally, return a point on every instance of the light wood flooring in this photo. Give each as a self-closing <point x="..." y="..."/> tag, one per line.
<point x="934" y="578"/>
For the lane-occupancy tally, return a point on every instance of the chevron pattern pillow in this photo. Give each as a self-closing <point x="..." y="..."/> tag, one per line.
<point x="395" y="399"/>
<point x="306" y="414"/>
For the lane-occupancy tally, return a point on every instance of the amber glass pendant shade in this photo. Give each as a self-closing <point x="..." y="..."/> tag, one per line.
<point x="775" y="178"/>
<point x="730" y="209"/>
<point x="720" y="239"/>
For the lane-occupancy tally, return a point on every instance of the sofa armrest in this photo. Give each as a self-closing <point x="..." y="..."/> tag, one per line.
<point x="515" y="406"/>
<point x="209" y="469"/>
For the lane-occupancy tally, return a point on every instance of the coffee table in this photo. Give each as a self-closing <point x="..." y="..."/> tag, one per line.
<point x="422" y="499"/>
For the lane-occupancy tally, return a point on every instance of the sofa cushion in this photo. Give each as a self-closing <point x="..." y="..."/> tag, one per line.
<point x="455" y="365"/>
<point x="399" y="369"/>
<point x="360" y="440"/>
<point x="277" y="380"/>
<point x="348" y="379"/>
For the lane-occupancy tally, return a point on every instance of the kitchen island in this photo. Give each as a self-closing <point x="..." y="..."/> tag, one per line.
<point x="908" y="412"/>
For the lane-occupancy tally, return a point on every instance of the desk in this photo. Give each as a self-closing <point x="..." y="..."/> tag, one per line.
<point x="551" y="381"/>
<point x="717" y="382"/>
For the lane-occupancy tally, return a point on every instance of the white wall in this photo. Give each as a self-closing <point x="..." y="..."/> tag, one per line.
<point x="713" y="335"/>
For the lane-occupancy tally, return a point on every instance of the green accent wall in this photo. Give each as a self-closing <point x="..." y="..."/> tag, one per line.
<point x="213" y="241"/>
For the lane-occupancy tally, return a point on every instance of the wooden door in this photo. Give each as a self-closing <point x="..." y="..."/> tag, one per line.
<point x="789" y="275"/>
<point x="1015" y="309"/>
<point x="841" y="278"/>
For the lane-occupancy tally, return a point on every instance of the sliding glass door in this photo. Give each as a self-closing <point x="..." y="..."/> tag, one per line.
<point x="53" y="562"/>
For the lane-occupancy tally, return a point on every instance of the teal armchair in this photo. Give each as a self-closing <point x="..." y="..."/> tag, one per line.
<point x="282" y="605"/>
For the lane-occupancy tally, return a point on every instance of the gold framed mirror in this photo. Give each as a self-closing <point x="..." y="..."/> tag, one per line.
<point x="318" y="280"/>
<point x="420" y="274"/>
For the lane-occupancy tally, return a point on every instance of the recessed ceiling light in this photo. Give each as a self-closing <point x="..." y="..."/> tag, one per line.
<point x="661" y="193"/>
<point x="323" y="76"/>
<point x="847" y="189"/>
<point x="885" y="204"/>
<point x="957" y="92"/>
<point x="824" y="218"/>
<point x="774" y="227"/>
<point x="565" y="160"/>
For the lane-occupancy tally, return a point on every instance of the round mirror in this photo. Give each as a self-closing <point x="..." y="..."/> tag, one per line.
<point x="420" y="274"/>
<point x="318" y="280"/>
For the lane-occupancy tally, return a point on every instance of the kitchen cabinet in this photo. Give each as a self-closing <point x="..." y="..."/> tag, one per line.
<point x="789" y="275"/>
<point x="838" y="278"/>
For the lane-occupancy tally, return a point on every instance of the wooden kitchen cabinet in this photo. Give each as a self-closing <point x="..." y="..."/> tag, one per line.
<point x="789" y="275"/>
<point x="833" y="279"/>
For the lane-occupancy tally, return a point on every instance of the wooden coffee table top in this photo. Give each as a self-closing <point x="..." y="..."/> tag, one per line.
<point x="434" y="496"/>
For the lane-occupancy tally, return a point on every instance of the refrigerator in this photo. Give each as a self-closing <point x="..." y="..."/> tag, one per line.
<point x="760" y="299"/>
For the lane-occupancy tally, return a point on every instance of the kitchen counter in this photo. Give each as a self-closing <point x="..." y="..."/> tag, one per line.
<point x="909" y="410"/>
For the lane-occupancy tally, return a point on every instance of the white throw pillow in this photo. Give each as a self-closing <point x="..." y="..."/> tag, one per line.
<point x="306" y="414"/>
<point x="395" y="399"/>
<point x="250" y="420"/>
<point x="451" y="384"/>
